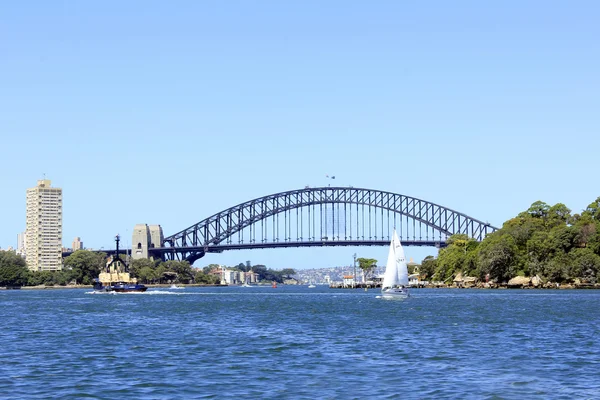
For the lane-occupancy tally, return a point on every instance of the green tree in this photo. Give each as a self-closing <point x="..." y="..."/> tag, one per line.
<point x="159" y="273"/>
<point x="40" y="278"/>
<point x="182" y="270"/>
<point x="498" y="257"/>
<point x="459" y="256"/>
<point x="202" y="277"/>
<point x="211" y="267"/>
<point x="558" y="215"/>
<point x="428" y="267"/>
<point x="450" y="262"/>
<point x="586" y="265"/>
<point x="593" y="210"/>
<point x="539" y="209"/>
<point x="136" y="267"/>
<point x="367" y="265"/>
<point x="13" y="270"/>
<point x="288" y="272"/>
<point x="85" y="266"/>
<point x="146" y="274"/>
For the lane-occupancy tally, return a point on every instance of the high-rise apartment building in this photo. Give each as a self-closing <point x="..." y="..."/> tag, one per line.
<point x="44" y="227"/>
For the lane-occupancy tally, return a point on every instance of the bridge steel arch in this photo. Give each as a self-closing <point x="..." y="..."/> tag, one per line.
<point x="313" y="213"/>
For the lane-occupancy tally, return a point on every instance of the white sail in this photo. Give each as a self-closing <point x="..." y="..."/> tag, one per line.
<point x="401" y="267"/>
<point x="391" y="273"/>
<point x="396" y="270"/>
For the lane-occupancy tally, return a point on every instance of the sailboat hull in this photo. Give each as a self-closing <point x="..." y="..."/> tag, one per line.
<point x="394" y="293"/>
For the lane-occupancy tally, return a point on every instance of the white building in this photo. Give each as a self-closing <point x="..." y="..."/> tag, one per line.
<point x="21" y="244"/>
<point x="43" y="247"/>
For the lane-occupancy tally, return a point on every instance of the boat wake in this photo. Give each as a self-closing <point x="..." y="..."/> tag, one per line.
<point x="146" y="293"/>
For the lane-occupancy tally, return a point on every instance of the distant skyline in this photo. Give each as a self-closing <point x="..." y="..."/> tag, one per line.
<point x="166" y="113"/>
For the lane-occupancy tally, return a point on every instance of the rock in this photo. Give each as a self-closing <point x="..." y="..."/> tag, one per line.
<point x="519" y="281"/>
<point x="469" y="281"/>
<point x="458" y="278"/>
<point x="536" y="281"/>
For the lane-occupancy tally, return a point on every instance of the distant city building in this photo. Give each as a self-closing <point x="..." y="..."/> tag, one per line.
<point x="77" y="244"/>
<point x="21" y="244"/>
<point x="43" y="244"/>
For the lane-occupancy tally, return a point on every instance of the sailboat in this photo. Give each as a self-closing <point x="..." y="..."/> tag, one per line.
<point x="395" y="279"/>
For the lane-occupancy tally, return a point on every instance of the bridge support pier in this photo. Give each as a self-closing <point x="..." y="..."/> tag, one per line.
<point x="145" y="237"/>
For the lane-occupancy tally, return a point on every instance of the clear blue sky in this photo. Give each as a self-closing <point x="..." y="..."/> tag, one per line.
<point x="196" y="106"/>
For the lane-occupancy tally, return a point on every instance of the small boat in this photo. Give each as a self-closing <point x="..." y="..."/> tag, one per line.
<point x="311" y="286"/>
<point x="116" y="278"/>
<point x="245" y="285"/>
<point x="395" y="279"/>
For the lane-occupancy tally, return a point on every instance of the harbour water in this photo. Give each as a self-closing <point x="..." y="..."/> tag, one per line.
<point x="299" y="343"/>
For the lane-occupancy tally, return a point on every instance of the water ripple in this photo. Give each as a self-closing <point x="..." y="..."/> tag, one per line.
<point x="299" y="343"/>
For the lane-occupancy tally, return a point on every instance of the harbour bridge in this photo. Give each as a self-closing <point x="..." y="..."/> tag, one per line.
<point x="321" y="216"/>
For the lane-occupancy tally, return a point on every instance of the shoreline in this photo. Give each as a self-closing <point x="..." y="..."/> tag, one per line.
<point x="166" y="286"/>
<point x="496" y="287"/>
<point x="44" y="287"/>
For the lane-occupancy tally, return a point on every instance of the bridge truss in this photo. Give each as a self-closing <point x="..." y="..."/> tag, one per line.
<point x="324" y="216"/>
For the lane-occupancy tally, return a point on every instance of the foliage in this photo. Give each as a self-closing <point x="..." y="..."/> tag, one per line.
<point x="13" y="270"/>
<point x="547" y="241"/>
<point x="141" y="269"/>
<point x="203" y="277"/>
<point x="459" y="256"/>
<point x="428" y="267"/>
<point x="84" y="266"/>
<point x="288" y="272"/>
<point x="182" y="271"/>
<point x="367" y="265"/>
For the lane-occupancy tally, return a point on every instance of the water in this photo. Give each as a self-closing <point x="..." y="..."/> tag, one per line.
<point x="300" y="343"/>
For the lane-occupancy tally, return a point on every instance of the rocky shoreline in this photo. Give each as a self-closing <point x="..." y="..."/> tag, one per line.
<point x="469" y="282"/>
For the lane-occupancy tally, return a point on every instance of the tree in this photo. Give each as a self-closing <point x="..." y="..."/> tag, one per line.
<point x="428" y="266"/>
<point x="539" y="209"/>
<point x="159" y="272"/>
<point x="459" y="256"/>
<point x="40" y="278"/>
<point x="367" y="265"/>
<point x="450" y="261"/>
<point x="85" y="265"/>
<point x="202" y="277"/>
<point x="288" y="272"/>
<point x="136" y="267"/>
<point x="558" y="215"/>
<point x="586" y="265"/>
<point x="498" y="257"/>
<point x="182" y="270"/>
<point x="146" y="274"/>
<point x="13" y="270"/>
<point x="211" y="267"/>
<point x="593" y="210"/>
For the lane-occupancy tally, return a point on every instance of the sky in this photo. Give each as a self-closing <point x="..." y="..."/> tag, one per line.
<point x="168" y="112"/>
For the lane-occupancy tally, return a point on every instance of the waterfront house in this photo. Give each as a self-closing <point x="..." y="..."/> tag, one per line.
<point x="348" y="281"/>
